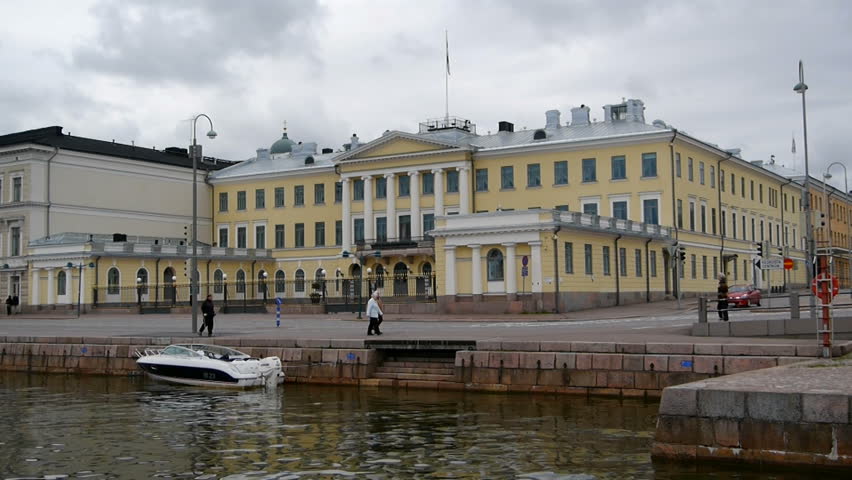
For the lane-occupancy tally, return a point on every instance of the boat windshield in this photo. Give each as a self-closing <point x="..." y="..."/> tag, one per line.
<point x="179" y="350"/>
<point x="213" y="351"/>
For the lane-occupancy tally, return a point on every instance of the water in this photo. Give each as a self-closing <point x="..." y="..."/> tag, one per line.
<point x="109" y="427"/>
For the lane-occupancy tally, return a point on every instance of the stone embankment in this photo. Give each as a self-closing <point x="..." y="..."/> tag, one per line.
<point x="587" y="368"/>
<point x="795" y="415"/>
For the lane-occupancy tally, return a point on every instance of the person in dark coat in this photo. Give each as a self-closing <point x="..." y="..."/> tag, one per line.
<point x="9" y="305"/>
<point x="208" y="311"/>
<point x="722" y="296"/>
<point x="15" y="302"/>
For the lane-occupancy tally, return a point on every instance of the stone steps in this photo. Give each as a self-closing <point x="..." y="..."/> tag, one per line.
<point x="414" y="376"/>
<point x="426" y="370"/>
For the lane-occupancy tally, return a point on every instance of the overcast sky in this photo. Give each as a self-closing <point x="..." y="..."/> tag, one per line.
<point x="136" y="70"/>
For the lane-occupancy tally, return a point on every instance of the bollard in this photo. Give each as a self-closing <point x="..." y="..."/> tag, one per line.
<point x="794" y="306"/>
<point x="702" y="309"/>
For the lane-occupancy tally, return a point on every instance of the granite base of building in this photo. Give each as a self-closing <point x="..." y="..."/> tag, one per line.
<point x="500" y="303"/>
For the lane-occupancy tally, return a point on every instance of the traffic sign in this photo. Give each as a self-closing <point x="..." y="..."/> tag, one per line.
<point x="525" y="260"/>
<point x="772" y="263"/>
<point x="788" y="264"/>
<point x="525" y="271"/>
<point x="833" y="289"/>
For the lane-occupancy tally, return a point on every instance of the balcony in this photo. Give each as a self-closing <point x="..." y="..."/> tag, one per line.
<point x="424" y="245"/>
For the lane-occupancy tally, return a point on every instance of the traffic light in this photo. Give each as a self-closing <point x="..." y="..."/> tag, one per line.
<point x="760" y="249"/>
<point x="681" y="253"/>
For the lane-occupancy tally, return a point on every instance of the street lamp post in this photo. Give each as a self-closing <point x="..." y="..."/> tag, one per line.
<point x="801" y="88"/>
<point x="323" y="285"/>
<point x="139" y="293"/>
<point x="79" y="283"/>
<point x="225" y="288"/>
<point x="263" y="286"/>
<point x="826" y="176"/>
<point x="174" y="290"/>
<point x="195" y="153"/>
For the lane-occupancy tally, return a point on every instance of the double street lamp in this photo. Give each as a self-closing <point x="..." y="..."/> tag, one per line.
<point x="801" y="88"/>
<point x="195" y="153"/>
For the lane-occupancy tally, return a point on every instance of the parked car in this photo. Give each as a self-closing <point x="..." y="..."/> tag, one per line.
<point x="743" y="296"/>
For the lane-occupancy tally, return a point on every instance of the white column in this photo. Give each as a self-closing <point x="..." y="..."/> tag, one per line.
<point x="476" y="269"/>
<point x="535" y="267"/>
<point x="82" y="284"/>
<point x="391" y="205"/>
<point x="416" y="218"/>
<point x="34" y="284"/>
<point x="51" y="288"/>
<point x="464" y="191"/>
<point x="439" y="191"/>
<point x="450" y="267"/>
<point x="347" y="215"/>
<point x="511" y="278"/>
<point x="69" y="285"/>
<point x="369" y="223"/>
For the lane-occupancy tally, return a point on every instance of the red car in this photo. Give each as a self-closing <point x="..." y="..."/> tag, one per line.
<point x="743" y="296"/>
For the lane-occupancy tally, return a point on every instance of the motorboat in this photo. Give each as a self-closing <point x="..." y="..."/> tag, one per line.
<point x="209" y="366"/>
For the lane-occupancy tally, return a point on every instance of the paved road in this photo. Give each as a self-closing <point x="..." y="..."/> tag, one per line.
<point x="657" y="322"/>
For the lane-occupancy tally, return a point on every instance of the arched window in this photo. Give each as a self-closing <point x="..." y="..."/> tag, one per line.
<point x="261" y="281"/>
<point x="61" y="280"/>
<point x="426" y="268"/>
<point x="400" y="279"/>
<point x="539" y="135"/>
<point x="318" y="275"/>
<point x="300" y="281"/>
<point x="142" y="281"/>
<point x="241" y="281"/>
<point x="218" y="281"/>
<point x="280" y="282"/>
<point x="113" y="281"/>
<point x="495" y="266"/>
<point x="380" y="276"/>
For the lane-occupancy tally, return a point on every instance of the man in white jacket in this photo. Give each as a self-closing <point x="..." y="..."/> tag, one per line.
<point x="373" y="313"/>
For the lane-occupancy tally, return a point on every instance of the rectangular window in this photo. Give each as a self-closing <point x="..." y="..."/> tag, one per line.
<point x="733" y="225"/>
<point x="590" y="208"/>
<point x="404" y="185"/>
<point x="704" y="267"/>
<point x="753" y="230"/>
<point x="404" y="230"/>
<point x="279" y="197"/>
<point x="338" y="232"/>
<point x="689" y="174"/>
<point x="637" y="258"/>
<point x="723" y="224"/>
<point x="605" y="260"/>
<point x="733" y="184"/>
<point x="319" y="234"/>
<point x="679" y="213"/>
<point x="17" y="186"/>
<point x="507" y="178"/>
<point x="382" y="229"/>
<point x="715" y="267"/>
<point x="762" y="231"/>
<point x="622" y="262"/>
<point x="223" y="237"/>
<point x="651" y="211"/>
<point x="15" y="241"/>
<point x="358" y="231"/>
<point x="619" y="210"/>
<point x="319" y="193"/>
<point x="736" y="272"/>
<point x="338" y="192"/>
<point x="589" y="170"/>
<point x="712" y="177"/>
<point x="569" y="257"/>
<point x="721" y="180"/>
<point x="692" y="216"/>
<point x="745" y="270"/>
<point x="223" y="201"/>
<point x="649" y="165"/>
<point x="713" y="221"/>
<point x="534" y="175"/>
<point x="703" y="218"/>
<point x="678" y="165"/>
<point x="428" y="223"/>
<point x="300" y="235"/>
<point x="381" y="187"/>
<point x="588" y="259"/>
<point x="619" y="167"/>
<point x="428" y="183"/>
<point x="744" y="227"/>
<point x="481" y="179"/>
<point x="259" y="198"/>
<point x="560" y="173"/>
<point x="562" y="208"/>
<point x="241" y="200"/>
<point x="701" y="173"/>
<point x="453" y="181"/>
<point x="751" y="190"/>
<point x="357" y="190"/>
<point x="742" y="186"/>
<point x="241" y="237"/>
<point x="260" y="236"/>
<point x="300" y="195"/>
<point x="279" y="236"/>
<point x="694" y="264"/>
<point x="652" y="263"/>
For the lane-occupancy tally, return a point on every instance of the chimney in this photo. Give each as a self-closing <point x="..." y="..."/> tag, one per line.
<point x="580" y="115"/>
<point x="262" y="154"/>
<point x="635" y="110"/>
<point x="552" y="117"/>
<point x="354" y="142"/>
<point x="505" y="126"/>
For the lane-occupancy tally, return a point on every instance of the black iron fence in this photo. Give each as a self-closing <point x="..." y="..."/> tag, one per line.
<point x="394" y="289"/>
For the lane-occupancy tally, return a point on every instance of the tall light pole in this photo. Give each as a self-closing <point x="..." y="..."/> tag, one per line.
<point x="826" y="176"/>
<point x="195" y="153"/>
<point x="801" y="88"/>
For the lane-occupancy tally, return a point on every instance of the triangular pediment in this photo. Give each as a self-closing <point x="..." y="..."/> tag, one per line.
<point x="396" y="143"/>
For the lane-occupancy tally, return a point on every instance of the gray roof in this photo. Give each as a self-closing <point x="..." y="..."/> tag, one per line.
<point x="564" y="134"/>
<point x="74" y="238"/>
<point x="291" y="162"/>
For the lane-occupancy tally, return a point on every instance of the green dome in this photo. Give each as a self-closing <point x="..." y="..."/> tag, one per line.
<point x="283" y="145"/>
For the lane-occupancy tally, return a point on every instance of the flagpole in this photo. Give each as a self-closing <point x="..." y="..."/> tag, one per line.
<point x="447" y="79"/>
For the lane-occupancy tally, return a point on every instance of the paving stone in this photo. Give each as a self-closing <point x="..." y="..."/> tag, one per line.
<point x="670" y="348"/>
<point x="525" y="346"/>
<point x="760" y="350"/>
<point x="708" y="349"/>
<point x="808" y="350"/>
<point x="630" y="348"/>
<point x="551" y="346"/>
<point x="745" y="364"/>
<point x="604" y="361"/>
<point x="593" y="347"/>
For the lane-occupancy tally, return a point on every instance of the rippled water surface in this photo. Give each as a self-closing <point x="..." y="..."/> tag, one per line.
<point x="102" y="427"/>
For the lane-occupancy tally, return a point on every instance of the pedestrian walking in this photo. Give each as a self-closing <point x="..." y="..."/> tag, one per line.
<point x="373" y="313"/>
<point x="9" y="305"/>
<point x="15" y="302"/>
<point x="208" y="312"/>
<point x="722" y="296"/>
<point x="381" y="303"/>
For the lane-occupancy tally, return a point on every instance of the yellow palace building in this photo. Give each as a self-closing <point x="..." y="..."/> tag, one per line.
<point x="571" y="215"/>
